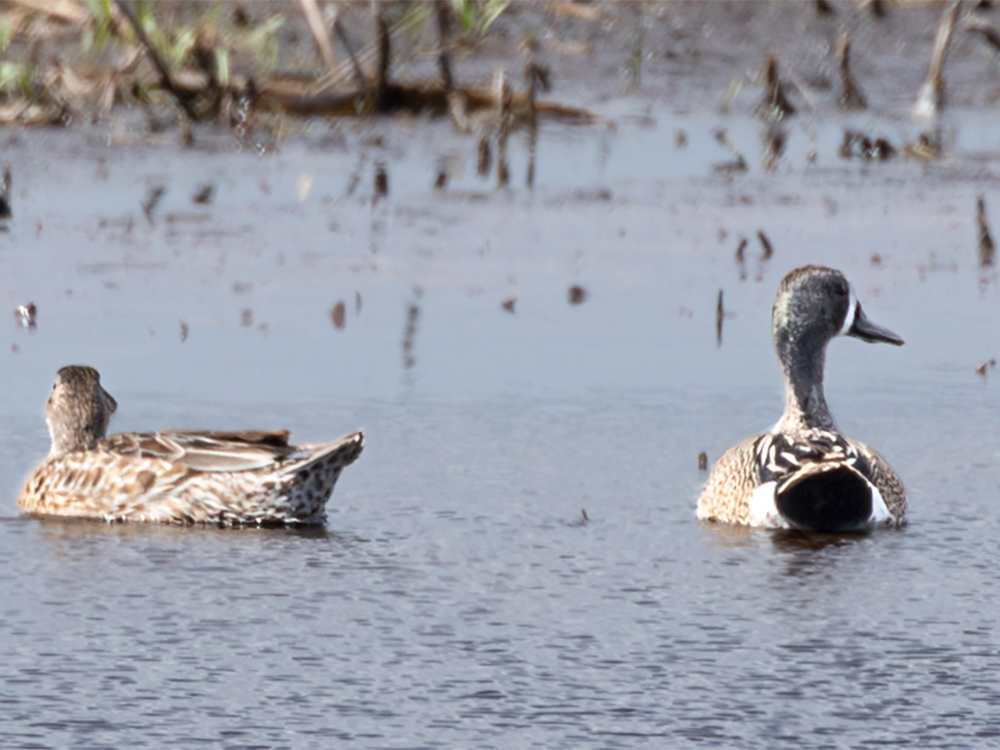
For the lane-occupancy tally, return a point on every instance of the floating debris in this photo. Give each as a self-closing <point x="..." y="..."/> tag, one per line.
<point x="583" y="514"/>
<point x="858" y="145"/>
<point x="184" y="331"/>
<point x="850" y="95"/>
<point x="680" y="139"/>
<point x="508" y="304"/>
<point x="775" y="105"/>
<point x="153" y="197"/>
<point x="204" y="194"/>
<point x="987" y="365"/>
<point x="15" y="348"/>
<point x="703" y="461"/>
<point x="765" y="243"/>
<point x="246" y="318"/>
<point x="927" y="147"/>
<point x="26" y="315"/>
<point x="577" y="294"/>
<point x="357" y="302"/>
<point x="875" y="260"/>
<point x="987" y="250"/>
<point x="930" y="100"/>
<point x="337" y="314"/>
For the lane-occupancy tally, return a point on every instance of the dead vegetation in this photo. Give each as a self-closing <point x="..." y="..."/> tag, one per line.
<point x="72" y="60"/>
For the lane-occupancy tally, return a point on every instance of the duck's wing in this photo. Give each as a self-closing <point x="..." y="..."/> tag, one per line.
<point x="735" y="476"/>
<point x="885" y="479"/>
<point x="206" y="451"/>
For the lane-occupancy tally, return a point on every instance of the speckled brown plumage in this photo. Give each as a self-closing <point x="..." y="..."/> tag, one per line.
<point x="175" y="476"/>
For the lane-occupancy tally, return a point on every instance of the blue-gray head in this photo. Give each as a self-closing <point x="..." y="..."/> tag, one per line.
<point x="813" y="305"/>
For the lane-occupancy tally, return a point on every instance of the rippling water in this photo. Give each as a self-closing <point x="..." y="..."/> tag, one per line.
<point x="514" y="561"/>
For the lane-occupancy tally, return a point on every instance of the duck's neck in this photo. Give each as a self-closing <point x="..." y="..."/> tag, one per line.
<point x="805" y="403"/>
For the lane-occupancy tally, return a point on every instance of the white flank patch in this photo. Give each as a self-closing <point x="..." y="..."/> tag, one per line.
<point x="852" y="312"/>
<point x="763" y="511"/>
<point x="880" y="513"/>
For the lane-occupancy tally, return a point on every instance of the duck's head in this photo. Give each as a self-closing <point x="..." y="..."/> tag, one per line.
<point x="78" y="410"/>
<point x="813" y="305"/>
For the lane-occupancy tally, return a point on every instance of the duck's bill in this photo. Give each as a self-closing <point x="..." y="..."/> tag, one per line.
<point x="864" y="329"/>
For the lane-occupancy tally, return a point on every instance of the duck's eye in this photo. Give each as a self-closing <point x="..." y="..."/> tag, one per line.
<point x="840" y="289"/>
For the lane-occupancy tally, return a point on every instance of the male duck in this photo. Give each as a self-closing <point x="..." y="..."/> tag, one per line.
<point x="804" y="474"/>
<point x="174" y="476"/>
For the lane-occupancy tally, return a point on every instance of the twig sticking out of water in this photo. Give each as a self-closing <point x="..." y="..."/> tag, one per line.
<point x="5" y="208"/>
<point x="987" y="250"/>
<point x="850" y="95"/>
<point x="577" y="294"/>
<point x="774" y="145"/>
<point x="741" y="257"/>
<point x="321" y="35"/>
<point x="381" y="180"/>
<point x="775" y="105"/>
<point x="930" y="100"/>
<point x="720" y="314"/>
<point x="165" y="80"/>
<point x="987" y="365"/>
<point x="765" y="243"/>
<point x="152" y="200"/>
<point x="703" y="461"/>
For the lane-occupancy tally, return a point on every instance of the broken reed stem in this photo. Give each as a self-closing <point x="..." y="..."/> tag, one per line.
<point x="850" y="95"/>
<point x="441" y="11"/>
<point x="314" y="18"/>
<point x="987" y="250"/>
<point x="359" y="73"/>
<point x="930" y="100"/>
<point x="165" y="80"/>
<point x="382" y="52"/>
<point x="503" y="105"/>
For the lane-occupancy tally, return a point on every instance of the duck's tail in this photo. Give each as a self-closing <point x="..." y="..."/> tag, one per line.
<point x="309" y="481"/>
<point x="829" y="497"/>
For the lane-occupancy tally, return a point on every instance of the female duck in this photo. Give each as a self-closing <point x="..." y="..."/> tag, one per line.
<point x="803" y="473"/>
<point x="174" y="476"/>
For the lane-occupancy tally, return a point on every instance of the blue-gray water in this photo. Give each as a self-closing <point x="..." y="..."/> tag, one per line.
<point x="514" y="561"/>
